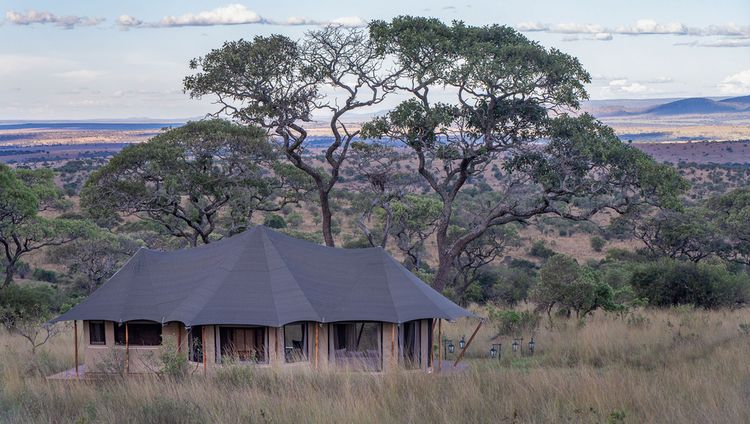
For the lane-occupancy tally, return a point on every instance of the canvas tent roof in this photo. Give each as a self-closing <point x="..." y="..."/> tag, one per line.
<point x="262" y="277"/>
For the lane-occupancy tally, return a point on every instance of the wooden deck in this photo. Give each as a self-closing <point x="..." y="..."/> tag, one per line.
<point x="71" y="374"/>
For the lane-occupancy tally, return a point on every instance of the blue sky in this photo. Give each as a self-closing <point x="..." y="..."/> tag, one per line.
<point x="106" y="59"/>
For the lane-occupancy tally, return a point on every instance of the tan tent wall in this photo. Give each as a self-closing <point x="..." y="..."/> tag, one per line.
<point x="141" y="358"/>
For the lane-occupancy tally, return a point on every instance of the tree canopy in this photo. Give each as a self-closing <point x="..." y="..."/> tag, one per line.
<point x="190" y="178"/>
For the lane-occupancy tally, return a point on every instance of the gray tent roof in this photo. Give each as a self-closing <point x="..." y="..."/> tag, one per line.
<point x="261" y="277"/>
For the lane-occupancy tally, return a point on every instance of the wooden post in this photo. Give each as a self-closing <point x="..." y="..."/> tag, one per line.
<point x="393" y="341"/>
<point x="203" y="345"/>
<point x="127" y="350"/>
<point x="179" y="338"/>
<point x="316" y="344"/>
<point x="75" y="342"/>
<point x="440" y="341"/>
<point x="461" y="355"/>
<point x="432" y="343"/>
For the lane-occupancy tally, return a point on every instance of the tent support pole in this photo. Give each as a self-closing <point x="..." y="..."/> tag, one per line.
<point x="75" y="343"/>
<point x="127" y="350"/>
<point x="393" y="341"/>
<point x="430" y="355"/>
<point x="440" y="348"/>
<point x="179" y="338"/>
<point x="461" y="355"/>
<point x="203" y="345"/>
<point x="316" y="344"/>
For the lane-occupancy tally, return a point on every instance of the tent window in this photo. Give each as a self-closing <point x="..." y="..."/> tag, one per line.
<point x="139" y="334"/>
<point x="357" y="345"/>
<point x="195" y="343"/>
<point x="244" y="344"/>
<point x="295" y="342"/>
<point x="96" y="333"/>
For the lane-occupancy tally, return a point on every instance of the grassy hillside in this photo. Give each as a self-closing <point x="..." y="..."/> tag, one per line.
<point x="671" y="366"/>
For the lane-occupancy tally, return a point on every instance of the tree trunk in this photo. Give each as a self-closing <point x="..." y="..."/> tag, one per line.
<point x="443" y="273"/>
<point x="325" y="209"/>
<point x="10" y="270"/>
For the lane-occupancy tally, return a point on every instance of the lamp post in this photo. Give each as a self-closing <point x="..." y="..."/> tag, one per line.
<point x="532" y="345"/>
<point x="495" y="350"/>
<point x="462" y="343"/>
<point x="515" y="345"/>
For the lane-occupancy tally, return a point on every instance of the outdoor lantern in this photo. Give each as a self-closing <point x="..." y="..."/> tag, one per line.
<point x="515" y="345"/>
<point x="532" y="345"/>
<point x="462" y="343"/>
<point x="495" y="350"/>
<point x="451" y="347"/>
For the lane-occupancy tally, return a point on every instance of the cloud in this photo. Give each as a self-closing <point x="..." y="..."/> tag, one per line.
<point x="33" y="17"/>
<point x="722" y="42"/>
<point x="736" y="35"/>
<point x="738" y="83"/>
<point x="80" y="74"/>
<point x="232" y="14"/>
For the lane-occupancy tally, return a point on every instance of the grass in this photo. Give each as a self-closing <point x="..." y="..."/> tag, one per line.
<point x="664" y="366"/>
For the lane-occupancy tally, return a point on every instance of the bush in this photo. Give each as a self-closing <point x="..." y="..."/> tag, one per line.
<point x="44" y="275"/>
<point x="597" y="243"/>
<point x="274" y="221"/>
<point x="540" y="250"/>
<point x="514" y="323"/>
<point x="294" y="219"/>
<point x="707" y="285"/>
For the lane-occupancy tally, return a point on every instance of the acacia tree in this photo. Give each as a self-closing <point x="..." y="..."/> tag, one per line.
<point x="414" y="219"/>
<point x="190" y="178"/>
<point x="279" y="84"/>
<point x="731" y="214"/>
<point x="97" y="257"/>
<point x="378" y="165"/>
<point x="483" y="95"/>
<point x="23" y="194"/>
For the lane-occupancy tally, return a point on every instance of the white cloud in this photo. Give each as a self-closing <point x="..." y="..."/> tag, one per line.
<point x="232" y="14"/>
<point x="738" y="83"/>
<point x="33" y="17"/>
<point x="624" y="86"/>
<point x="349" y="21"/>
<point x="722" y="42"/>
<point x="80" y="74"/>
<point x="738" y="36"/>
<point x="649" y="26"/>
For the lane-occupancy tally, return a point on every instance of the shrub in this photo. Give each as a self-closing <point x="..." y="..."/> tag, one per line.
<point x="540" y="250"/>
<point x="707" y="285"/>
<point x="274" y="221"/>
<point x="514" y="323"/>
<point x="44" y="275"/>
<point x="597" y="243"/>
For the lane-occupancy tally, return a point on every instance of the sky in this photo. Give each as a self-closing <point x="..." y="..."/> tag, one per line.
<point x="115" y="59"/>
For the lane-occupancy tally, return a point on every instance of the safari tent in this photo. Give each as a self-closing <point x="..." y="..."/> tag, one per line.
<point x="263" y="298"/>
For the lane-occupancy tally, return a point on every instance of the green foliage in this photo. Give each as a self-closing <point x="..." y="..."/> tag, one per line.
<point x="709" y="285"/>
<point x="47" y="275"/>
<point x="597" y="243"/>
<point x="540" y="250"/>
<point x="23" y="193"/>
<point x="571" y="287"/>
<point x="174" y="362"/>
<point x="274" y="221"/>
<point x="188" y="178"/>
<point x="514" y="323"/>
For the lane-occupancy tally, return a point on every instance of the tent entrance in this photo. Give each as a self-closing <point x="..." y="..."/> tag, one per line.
<point x="357" y="345"/>
<point x="410" y="344"/>
<point x="195" y="343"/>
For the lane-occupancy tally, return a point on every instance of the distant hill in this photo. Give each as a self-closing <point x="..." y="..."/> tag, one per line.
<point x="743" y="100"/>
<point x="698" y="105"/>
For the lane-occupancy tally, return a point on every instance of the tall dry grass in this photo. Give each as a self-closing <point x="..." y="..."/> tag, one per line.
<point x="674" y="366"/>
